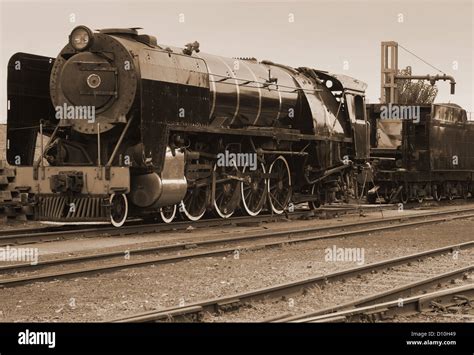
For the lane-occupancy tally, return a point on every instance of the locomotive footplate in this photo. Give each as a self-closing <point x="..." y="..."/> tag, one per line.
<point x="72" y="193"/>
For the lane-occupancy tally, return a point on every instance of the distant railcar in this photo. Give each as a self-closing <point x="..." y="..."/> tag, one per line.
<point x="430" y="157"/>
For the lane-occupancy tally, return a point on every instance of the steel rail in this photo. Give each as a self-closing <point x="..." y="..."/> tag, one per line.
<point x="398" y="293"/>
<point x="220" y="304"/>
<point x="50" y="233"/>
<point x="62" y="232"/>
<point x="415" y="304"/>
<point x="191" y="245"/>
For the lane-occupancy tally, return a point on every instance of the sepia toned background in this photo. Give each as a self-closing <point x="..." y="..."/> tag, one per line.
<point x="338" y="36"/>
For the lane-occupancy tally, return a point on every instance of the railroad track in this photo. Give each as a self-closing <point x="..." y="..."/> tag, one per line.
<point x="400" y="294"/>
<point x="283" y="238"/>
<point x="194" y="311"/>
<point x="64" y="232"/>
<point x="219" y="244"/>
<point x="440" y="301"/>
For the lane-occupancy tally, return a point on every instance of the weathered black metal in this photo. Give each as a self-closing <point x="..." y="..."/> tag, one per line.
<point x="187" y="108"/>
<point x="429" y="157"/>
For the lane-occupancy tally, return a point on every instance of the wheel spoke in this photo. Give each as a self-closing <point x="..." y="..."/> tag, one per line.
<point x="252" y="194"/>
<point x="118" y="209"/>
<point x="225" y="191"/>
<point x="194" y="203"/>
<point x="279" y="185"/>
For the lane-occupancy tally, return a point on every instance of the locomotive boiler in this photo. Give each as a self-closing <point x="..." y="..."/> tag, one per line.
<point x="118" y="126"/>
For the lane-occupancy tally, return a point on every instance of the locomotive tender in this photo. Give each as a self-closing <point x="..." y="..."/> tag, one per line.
<point x="130" y="128"/>
<point x="424" y="150"/>
<point x="431" y="157"/>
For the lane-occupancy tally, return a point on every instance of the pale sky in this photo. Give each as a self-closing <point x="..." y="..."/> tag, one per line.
<point x="323" y="35"/>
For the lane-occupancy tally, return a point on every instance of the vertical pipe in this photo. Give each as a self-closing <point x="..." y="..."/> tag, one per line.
<point x="395" y="71"/>
<point x="119" y="142"/>
<point x="43" y="174"/>
<point x="382" y="73"/>
<point x="42" y="147"/>
<point x="392" y="75"/>
<point x="98" y="145"/>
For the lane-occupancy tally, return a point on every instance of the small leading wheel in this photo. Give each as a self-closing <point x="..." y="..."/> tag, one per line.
<point x="254" y="191"/>
<point x="227" y="196"/>
<point x="167" y="213"/>
<point x="118" y="209"/>
<point x="279" y="185"/>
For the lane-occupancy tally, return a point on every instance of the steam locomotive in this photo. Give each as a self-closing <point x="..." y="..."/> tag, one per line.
<point x="124" y="127"/>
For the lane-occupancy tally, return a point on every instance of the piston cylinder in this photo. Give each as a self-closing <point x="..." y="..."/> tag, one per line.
<point x="153" y="190"/>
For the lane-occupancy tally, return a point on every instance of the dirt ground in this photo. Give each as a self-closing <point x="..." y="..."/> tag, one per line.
<point x="107" y="296"/>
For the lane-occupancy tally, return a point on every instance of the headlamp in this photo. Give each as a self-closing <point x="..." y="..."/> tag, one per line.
<point x="81" y="38"/>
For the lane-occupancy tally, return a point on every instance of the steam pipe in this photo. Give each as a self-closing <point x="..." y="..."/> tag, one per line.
<point x="119" y="142"/>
